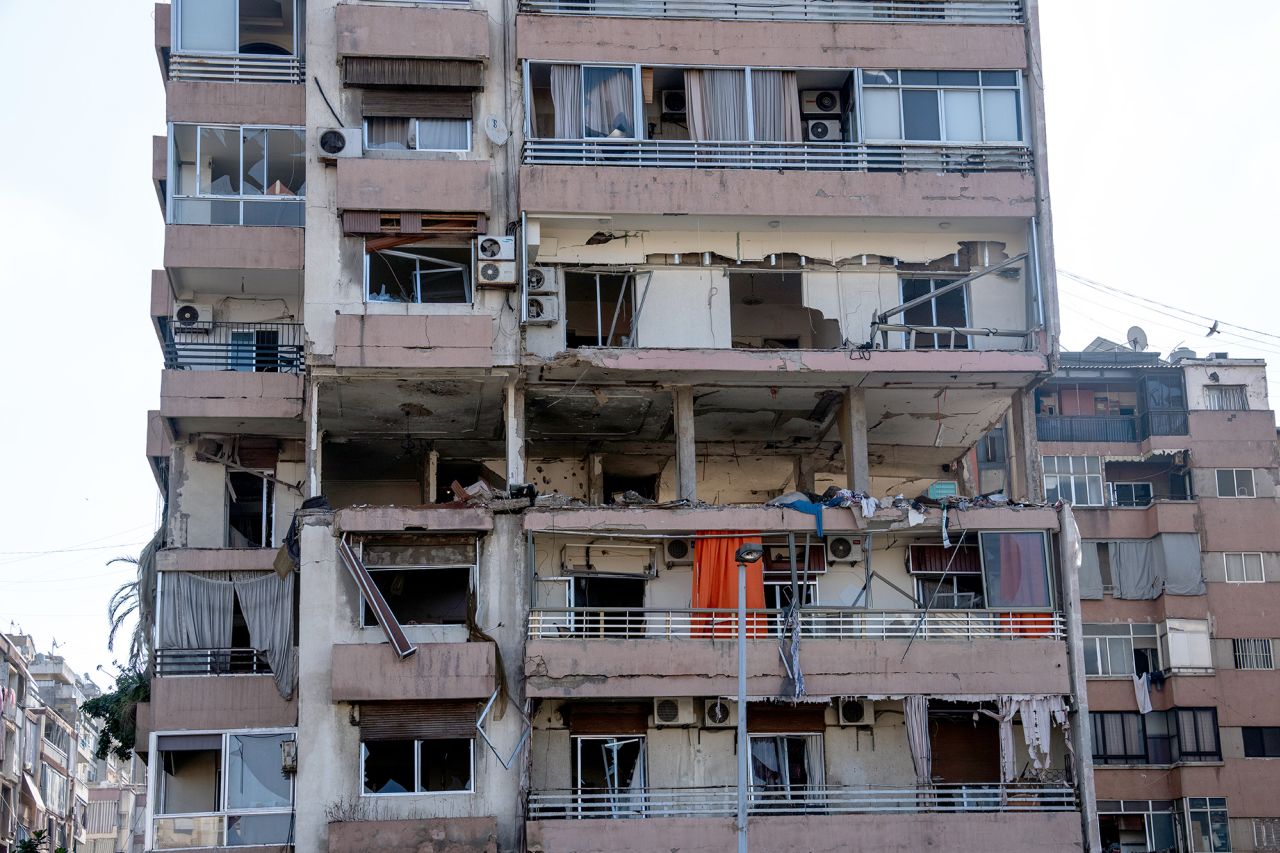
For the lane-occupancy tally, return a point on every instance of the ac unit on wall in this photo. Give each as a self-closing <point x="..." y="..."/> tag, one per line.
<point x="192" y="317"/>
<point x="673" y="102"/>
<point x="856" y="712"/>
<point x="844" y="549"/>
<point x="496" y="247"/>
<point x="543" y="311"/>
<point x="679" y="552"/>
<point x="541" y="280"/>
<point x="495" y="273"/>
<point x="673" y="711"/>
<point x="822" y="130"/>
<point x="719" y="713"/>
<point x="820" y="102"/>
<point x="335" y="142"/>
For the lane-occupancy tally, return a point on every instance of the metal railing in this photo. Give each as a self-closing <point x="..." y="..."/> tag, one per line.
<point x="211" y="662"/>
<point x="235" y="68"/>
<point x="824" y="799"/>
<point x="880" y="11"/>
<point x="1102" y="428"/>
<point x="608" y="623"/>
<point x="803" y="156"/>
<point x="248" y="347"/>
<point x="1163" y="423"/>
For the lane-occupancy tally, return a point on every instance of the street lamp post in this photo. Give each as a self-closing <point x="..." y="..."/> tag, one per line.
<point x="751" y="552"/>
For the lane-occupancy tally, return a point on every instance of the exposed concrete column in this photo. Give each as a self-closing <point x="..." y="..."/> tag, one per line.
<point x="595" y="479"/>
<point x="1024" y="462"/>
<point x="853" y="438"/>
<point x="804" y="473"/>
<point x="686" y="453"/>
<point x="514" y="417"/>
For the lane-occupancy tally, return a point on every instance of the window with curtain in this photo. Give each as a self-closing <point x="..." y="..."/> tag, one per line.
<point x="716" y="104"/>
<point x="1015" y="570"/>
<point x="1226" y="398"/>
<point x="775" y="106"/>
<point x="389" y="133"/>
<point x="1243" y="567"/>
<point x="941" y="106"/>
<point x="786" y="766"/>
<point x="608" y="102"/>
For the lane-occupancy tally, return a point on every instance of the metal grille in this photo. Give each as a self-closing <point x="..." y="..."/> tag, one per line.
<point x="211" y="662"/>
<point x="1253" y="654"/>
<point x="248" y="347"/>
<point x="248" y="68"/>
<point x="1266" y="833"/>
<point x="881" y="11"/>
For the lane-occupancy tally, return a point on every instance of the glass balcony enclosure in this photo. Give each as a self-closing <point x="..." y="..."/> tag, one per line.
<point x="229" y="175"/>
<point x="237" y="41"/>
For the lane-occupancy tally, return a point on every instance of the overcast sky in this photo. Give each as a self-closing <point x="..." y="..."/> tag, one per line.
<point x="1162" y="147"/>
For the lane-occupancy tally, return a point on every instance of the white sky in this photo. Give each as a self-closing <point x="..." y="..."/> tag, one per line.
<point x="1164" y="179"/>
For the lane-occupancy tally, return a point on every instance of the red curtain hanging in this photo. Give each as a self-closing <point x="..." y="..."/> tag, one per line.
<point x="715" y="583"/>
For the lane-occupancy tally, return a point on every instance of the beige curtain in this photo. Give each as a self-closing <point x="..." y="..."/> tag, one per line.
<point x="195" y="613"/>
<point x="775" y="106"/>
<point x="916" y="710"/>
<point x="566" y="98"/>
<point x="716" y="101"/>
<point x="610" y="102"/>
<point x="267" y="604"/>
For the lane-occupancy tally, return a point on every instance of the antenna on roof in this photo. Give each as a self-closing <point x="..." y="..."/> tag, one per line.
<point x="1136" y="338"/>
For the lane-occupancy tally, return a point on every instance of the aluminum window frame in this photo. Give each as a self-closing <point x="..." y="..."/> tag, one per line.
<point x="417" y="136"/>
<point x="468" y="279"/>
<point x="1133" y="486"/>
<point x="1235" y="479"/>
<point x="175" y="32"/>
<point x="266" y="523"/>
<point x="1222" y="392"/>
<point x="1210" y="807"/>
<point x="1051" y="581"/>
<point x="934" y="282"/>
<point x="417" y="770"/>
<point x="171" y="196"/>
<point x="1244" y="566"/>
<point x="1018" y="87"/>
<point x="1127" y="633"/>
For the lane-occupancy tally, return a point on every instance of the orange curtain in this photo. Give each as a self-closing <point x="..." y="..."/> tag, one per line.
<point x="715" y="583"/>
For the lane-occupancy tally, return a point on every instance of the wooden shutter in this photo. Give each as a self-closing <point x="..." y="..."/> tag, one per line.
<point x="261" y="453"/>
<point x="935" y="559"/>
<point x="417" y="720"/>
<point x="613" y="718"/>
<point x="768" y="718"/>
<point x="417" y="104"/>
<point x="419" y="73"/>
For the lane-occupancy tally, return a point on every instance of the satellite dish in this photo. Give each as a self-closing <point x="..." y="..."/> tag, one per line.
<point x="1136" y="337"/>
<point x="496" y="129"/>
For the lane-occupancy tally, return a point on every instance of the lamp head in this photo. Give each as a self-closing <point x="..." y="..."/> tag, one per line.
<point x="751" y="552"/>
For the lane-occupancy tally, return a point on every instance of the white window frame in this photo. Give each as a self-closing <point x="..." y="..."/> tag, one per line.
<point x="1253" y="650"/>
<point x="1208" y="808"/>
<point x="155" y="781"/>
<point x="1244" y="567"/>
<point x="1235" y="478"/>
<point x="642" y="760"/>
<point x="417" y="771"/>
<point x="1192" y="637"/>
<point x="417" y="136"/>
<point x="241" y="197"/>
<point x="941" y="89"/>
<point x="268" y="519"/>
<point x="1071" y="461"/>
<point x="629" y="284"/>
<point x="464" y="268"/>
<point x="175" y="34"/>
<point x="1102" y="647"/>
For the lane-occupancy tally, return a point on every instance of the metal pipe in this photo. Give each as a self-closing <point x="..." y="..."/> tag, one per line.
<point x="883" y="318"/>
<point x="744" y="745"/>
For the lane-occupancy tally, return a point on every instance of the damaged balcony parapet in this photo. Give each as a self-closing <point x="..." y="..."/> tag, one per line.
<point x="227" y="400"/>
<point x="434" y="32"/>
<point x="371" y="672"/>
<point x="214" y="702"/>
<point x="447" y="835"/>
<point x="215" y="559"/>
<point x="232" y="247"/>
<point x="416" y="341"/>
<point x="228" y="102"/>
<point x="383" y="183"/>
<point x="384" y="519"/>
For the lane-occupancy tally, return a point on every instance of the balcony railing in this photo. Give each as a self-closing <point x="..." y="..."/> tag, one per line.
<point x="826" y="799"/>
<point x="1163" y="423"/>
<point x="609" y="623"/>
<point x="880" y="11"/>
<point x="802" y="156"/>
<point x="1126" y="429"/>
<point x="235" y="68"/>
<point x="248" y="347"/>
<point x="211" y="662"/>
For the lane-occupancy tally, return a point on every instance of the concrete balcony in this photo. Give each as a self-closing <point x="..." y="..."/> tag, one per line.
<point x="438" y="340"/>
<point x="227" y="102"/>
<point x="216" y="559"/>
<point x="880" y="11"/>
<point x="412" y="31"/>
<point x="413" y="183"/>
<point x="1161" y="516"/>
<point x="451" y="835"/>
<point x="1054" y="832"/>
<point x="232" y="401"/>
<point x="371" y="672"/>
<point x="213" y="702"/>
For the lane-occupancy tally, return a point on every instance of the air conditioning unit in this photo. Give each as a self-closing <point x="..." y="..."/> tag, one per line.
<point x="541" y="280"/>
<point x="844" y="549"/>
<point x="288" y="757"/>
<point x="338" y="142"/>
<point x="673" y="102"/>
<point x="495" y="273"/>
<point x="820" y="102"/>
<point x="720" y="713"/>
<point x="673" y="711"/>
<point x="495" y="247"/>
<point x="193" y="318"/>
<point x="822" y="130"/>
<point x="679" y="552"/>
<point x="543" y="311"/>
<point x="856" y="712"/>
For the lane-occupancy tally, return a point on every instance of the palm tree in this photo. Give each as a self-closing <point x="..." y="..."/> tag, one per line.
<point x="136" y="598"/>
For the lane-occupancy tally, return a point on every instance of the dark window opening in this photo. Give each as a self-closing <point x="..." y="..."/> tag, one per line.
<point x="646" y="486"/>
<point x="434" y="276"/>
<point x="609" y="592"/>
<point x="965" y="742"/>
<point x="609" y="766"/>
<point x="1261" y="741"/>
<point x="249" y="510"/>
<point x="599" y="310"/>
<point x="388" y="767"/>
<point x="767" y="311"/>
<point x="950" y="310"/>
<point x="423" y="596"/>
<point x="445" y="765"/>
<point x="191" y="782"/>
<point x="952" y="592"/>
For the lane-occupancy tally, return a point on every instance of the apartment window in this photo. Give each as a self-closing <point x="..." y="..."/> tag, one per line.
<point x="424" y="584"/>
<point x="1261" y="741"/>
<point x="229" y="175"/>
<point x="1235" y="483"/>
<point x="236" y="27"/>
<point x="1207" y="828"/>
<point x="599" y="310"/>
<point x="1185" y="735"/>
<point x="57" y="737"/>
<point x="1197" y="734"/>
<point x="393" y="133"/>
<point x="431" y="766"/>
<point x="1137" y="825"/>
<point x="1184" y="646"/>
<point x="1253" y="653"/>
<point x="941" y="106"/>
<point x="1266" y="833"/>
<point x="1076" y="479"/>
<point x="250" y="509"/>
<point x="608" y="770"/>
<point x="1015" y="570"/>
<point x="1243" y="567"/>
<point x="785" y="766"/>
<point x="1115" y="650"/>
<point x="585" y="101"/>
<point x="950" y="310"/>
<point x="1131" y="494"/>
<point x="435" y="276"/>
<point x="1118" y="738"/>
<point x="1226" y="398"/>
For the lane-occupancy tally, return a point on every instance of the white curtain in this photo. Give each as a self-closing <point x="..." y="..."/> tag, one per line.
<point x="1007" y="710"/>
<point x="775" y="105"/>
<point x="716" y="101"/>
<point x="610" y="102"/>
<point x="816" y="760"/>
<point x="387" y="133"/>
<point x="267" y="604"/>
<point x="195" y="613"/>
<point x="566" y="98"/>
<point x="916" y="710"/>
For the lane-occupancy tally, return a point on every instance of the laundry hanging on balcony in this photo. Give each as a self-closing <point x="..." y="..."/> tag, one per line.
<point x="715" y="582"/>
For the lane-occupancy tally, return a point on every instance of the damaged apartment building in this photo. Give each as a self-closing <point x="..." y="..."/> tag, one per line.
<point x="502" y="338"/>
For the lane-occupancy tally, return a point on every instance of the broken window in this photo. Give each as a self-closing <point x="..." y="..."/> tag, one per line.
<point x="950" y="311"/>
<point x="613" y="595"/>
<point x="599" y="310"/>
<point x="433" y="765"/>
<point x="191" y="770"/>
<point x="785" y="767"/>
<point x="394" y="133"/>
<point x="1015" y="569"/>
<point x="1137" y="825"/>
<point x="941" y="106"/>
<point x="229" y="175"/>
<point x="418" y="275"/>
<point x="424" y="584"/>
<point x="616" y="485"/>
<point x="250" y="505"/>
<point x="259" y="27"/>
<point x="609" y="774"/>
<point x="767" y="311"/>
<point x="1121" y="649"/>
<point x="950" y="592"/>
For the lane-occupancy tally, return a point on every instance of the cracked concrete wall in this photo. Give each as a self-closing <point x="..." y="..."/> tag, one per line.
<point x="198" y="500"/>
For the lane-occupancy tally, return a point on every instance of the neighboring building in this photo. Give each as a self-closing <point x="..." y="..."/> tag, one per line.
<point x="17" y="793"/>
<point x="1172" y="467"/>
<point x="662" y="263"/>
